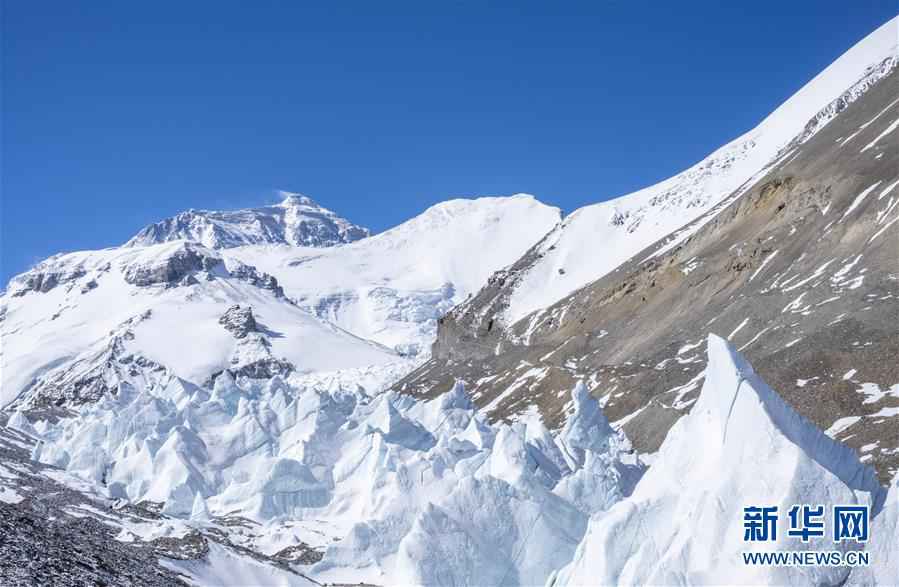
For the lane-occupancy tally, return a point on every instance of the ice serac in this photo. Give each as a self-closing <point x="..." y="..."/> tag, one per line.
<point x="739" y="446"/>
<point x="297" y="221"/>
<point x="585" y="430"/>
<point x="488" y="531"/>
<point x="591" y="449"/>
<point x="500" y="526"/>
<point x="883" y="545"/>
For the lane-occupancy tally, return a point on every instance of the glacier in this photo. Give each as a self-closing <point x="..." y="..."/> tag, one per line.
<point x="394" y="490"/>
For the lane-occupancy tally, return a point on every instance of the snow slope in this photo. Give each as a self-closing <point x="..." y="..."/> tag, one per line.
<point x="740" y="446"/>
<point x="163" y="304"/>
<point x="224" y="567"/>
<point x="297" y="220"/>
<point x="596" y="239"/>
<point x="392" y="287"/>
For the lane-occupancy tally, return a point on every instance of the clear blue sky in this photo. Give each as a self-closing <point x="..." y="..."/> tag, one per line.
<point x="117" y="114"/>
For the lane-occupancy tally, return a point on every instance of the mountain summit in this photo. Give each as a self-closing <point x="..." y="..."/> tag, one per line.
<point x="297" y="220"/>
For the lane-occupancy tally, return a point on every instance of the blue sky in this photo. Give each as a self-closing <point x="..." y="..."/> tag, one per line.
<point x="117" y="114"/>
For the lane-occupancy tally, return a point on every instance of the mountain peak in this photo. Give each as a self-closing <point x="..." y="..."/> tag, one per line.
<point x="297" y="220"/>
<point x="291" y="200"/>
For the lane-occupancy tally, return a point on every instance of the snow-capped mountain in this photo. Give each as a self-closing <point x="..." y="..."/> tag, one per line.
<point x="797" y="266"/>
<point x="297" y="220"/>
<point x="248" y="397"/>
<point x="81" y="325"/>
<point x="393" y="287"/>
<point x="183" y="309"/>
<point x="620" y="228"/>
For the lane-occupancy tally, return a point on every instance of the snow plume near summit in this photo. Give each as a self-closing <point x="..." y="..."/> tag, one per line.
<point x="741" y="446"/>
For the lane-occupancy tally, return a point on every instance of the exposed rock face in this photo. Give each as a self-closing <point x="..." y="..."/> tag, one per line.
<point x="174" y="267"/>
<point x="239" y="321"/>
<point x="108" y="370"/>
<point x="44" y="278"/>
<point x="297" y="221"/>
<point x="255" y="277"/>
<point x="252" y="356"/>
<point x="263" y="368"/>
<point x="302" y="554"/>
<point x="800" y="271"/>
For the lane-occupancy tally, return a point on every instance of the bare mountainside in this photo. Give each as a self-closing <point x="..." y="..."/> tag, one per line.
<point x="800" y="272"/>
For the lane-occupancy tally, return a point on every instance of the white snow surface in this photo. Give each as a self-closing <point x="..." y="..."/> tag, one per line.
<point x="392" y="287"/>
<point x="363" y="304"/>
<point x="175" y="325"/>
<point x="741" y="445"/>
<point x="596" y="239"/>
<point x="226" y="567"/>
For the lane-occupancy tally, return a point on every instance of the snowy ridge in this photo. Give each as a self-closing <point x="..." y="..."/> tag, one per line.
<point x="153" y="309"/>
<point x="624" y="226"/>
<point x="740" y="446"/>
<point x="392" y="287"/>
<point x="296" y="221"/>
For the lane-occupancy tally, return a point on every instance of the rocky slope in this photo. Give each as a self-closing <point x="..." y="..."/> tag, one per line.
<point x="596" y="239"/>
<point x="798" y="268"/>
